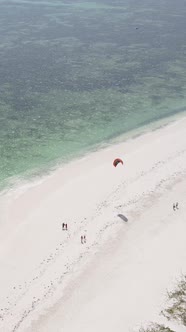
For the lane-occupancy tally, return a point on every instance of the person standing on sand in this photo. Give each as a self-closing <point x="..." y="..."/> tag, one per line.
<point x="84" y="238"/>
<point x="66" y="227"/>
<point x="63" y="226"/>
<point x="177" y="206"/>
<point x="174" y="207"/>
<point x="81" y="239"/>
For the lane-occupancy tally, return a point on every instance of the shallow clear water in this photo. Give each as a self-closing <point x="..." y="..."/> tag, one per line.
<point x="74" y="74"/>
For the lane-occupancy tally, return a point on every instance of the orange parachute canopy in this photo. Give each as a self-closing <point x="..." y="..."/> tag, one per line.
<point x="117" y="161"/>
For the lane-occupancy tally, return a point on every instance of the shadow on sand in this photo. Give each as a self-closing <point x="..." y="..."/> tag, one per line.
<point x="123" y="217"/>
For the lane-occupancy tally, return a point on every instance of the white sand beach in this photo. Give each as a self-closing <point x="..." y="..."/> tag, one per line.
<point x="135" y="248"/>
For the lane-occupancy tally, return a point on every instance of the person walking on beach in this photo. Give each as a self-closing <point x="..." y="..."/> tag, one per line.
<point x="174" y="207"/>
<point x="66" y="227"/>
<point x="177" y="206"/>
<point x="81" y="239"/>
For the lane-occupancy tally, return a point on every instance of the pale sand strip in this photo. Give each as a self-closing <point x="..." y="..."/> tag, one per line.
<point x="118" y="279"/>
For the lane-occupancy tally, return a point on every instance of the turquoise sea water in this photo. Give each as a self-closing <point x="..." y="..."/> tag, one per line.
<point x="75" y="74"/>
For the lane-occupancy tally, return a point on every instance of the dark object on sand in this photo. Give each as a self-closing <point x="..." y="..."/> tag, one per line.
<point x="123" y="217"/>
<point x="117" y="161"/>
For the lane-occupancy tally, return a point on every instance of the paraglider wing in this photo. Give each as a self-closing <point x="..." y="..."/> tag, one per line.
<point x="117" y="161"/>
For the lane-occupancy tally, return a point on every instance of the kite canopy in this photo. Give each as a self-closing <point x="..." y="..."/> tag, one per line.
<point x="117" y="161"/>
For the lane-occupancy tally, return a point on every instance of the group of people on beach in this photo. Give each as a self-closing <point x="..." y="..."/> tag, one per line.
<point x="175" y="206"/>
<point x="83" y="237"/>
<point x="64" y="227"/>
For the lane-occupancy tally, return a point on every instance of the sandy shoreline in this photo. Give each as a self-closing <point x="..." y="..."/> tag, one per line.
<point x="118" y="279"/>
